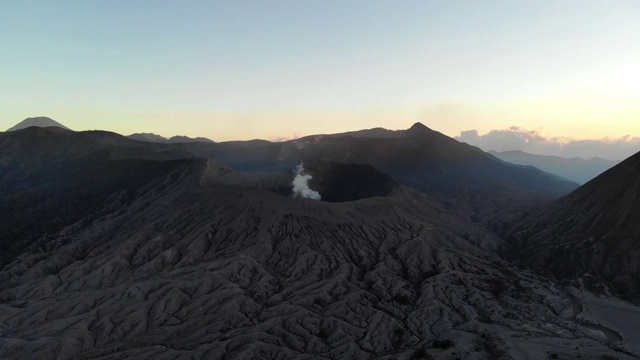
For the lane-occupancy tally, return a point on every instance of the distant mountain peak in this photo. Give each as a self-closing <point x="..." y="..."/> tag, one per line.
<point x="39" y="121"/>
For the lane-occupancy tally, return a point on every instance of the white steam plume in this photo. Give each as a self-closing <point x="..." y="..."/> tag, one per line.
<point x="301" y="185"/>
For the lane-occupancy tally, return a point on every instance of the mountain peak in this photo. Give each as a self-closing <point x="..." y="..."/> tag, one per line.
<point x="39" y="121"/>
<point x="419" y="127"/>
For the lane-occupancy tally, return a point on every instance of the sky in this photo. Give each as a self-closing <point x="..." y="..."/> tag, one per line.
<point x="278" y="69"/>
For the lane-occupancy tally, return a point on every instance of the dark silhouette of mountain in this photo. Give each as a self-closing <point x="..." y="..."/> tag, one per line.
<point x="372" y="133"/>
<point x="592" y="235"/>
<point x="149" y="137"/>
<point x="432" y="162"/>
<point x="575" y="169"/>
<point x="51" y="177"/>
<point x="40" y="121"/>
<point x="186" y="139"/>
<point x="471" y="181"/>
<point x="116" y="248"/>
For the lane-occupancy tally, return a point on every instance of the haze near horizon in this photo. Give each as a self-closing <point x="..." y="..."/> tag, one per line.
<point x="230" y="70"/>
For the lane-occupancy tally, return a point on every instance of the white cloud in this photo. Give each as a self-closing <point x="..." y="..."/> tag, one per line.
<point x="535" y="142"/>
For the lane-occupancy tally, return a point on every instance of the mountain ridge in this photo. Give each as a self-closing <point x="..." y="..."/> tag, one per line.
<point x="574" y="169"/>
<point x="150" y="137"/>
<point x="197" y="270"/>
<point x="117" y="248"/>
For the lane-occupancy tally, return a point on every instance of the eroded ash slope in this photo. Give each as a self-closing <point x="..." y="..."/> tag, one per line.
<point x="590" y="237"/>
<point x="198" y="269"/>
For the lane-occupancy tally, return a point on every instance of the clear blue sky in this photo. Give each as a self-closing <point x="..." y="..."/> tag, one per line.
<point x="260" y="69"/>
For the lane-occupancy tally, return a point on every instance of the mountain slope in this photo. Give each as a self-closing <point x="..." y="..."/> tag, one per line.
<point x="592" y="234"/>
<point x="574" y="169"/>
<point x="40" y="121"/>
<point x="472" y="182"/>
<point x="51" y="177"/>
<point x="212" y="271"/>
<point x="136" y="250"/>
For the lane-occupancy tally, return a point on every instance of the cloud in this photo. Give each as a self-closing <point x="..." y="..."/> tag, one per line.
<point x="535" y="142"/>
<point x="296" y="135"/>
<point x="301" y="185"/>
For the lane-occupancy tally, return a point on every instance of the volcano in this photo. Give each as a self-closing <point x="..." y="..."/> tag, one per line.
<point x="40" y="121"/>
<point x="116" y="248"/>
